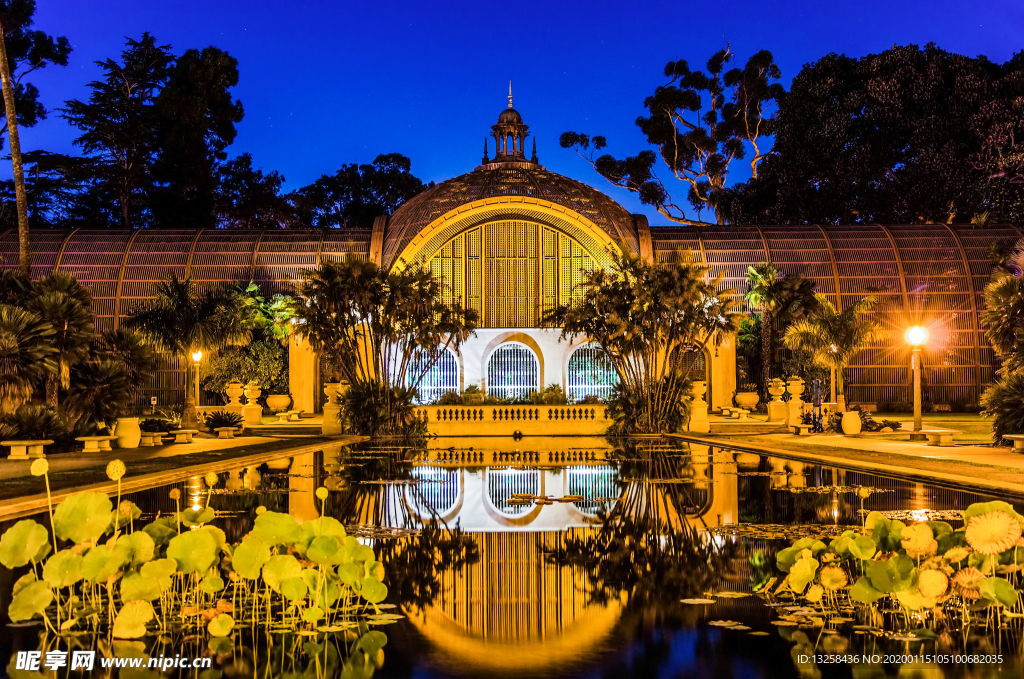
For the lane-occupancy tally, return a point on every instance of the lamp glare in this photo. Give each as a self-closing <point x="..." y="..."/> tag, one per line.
<point x="917" y="335"/>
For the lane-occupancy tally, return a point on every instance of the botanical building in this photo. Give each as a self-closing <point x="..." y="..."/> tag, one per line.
<point x="511" y="239"/>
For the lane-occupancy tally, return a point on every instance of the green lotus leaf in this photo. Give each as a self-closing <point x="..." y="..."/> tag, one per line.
<point x="988" y="507"/>
<point x="376" y="591"/>
<point x="371" y="642"/>
<point x="998" y="591"/>
<point x="136" y="586"/>
<point x="221" y="625"/>
<point x="219" y="646"/>
<point x="119" y="520"/>
<point x="280" y="568"/>
<point x="192" y="518"/>
<point x="82" y="517"/>
<point x="327" y="525"/>
<point x="864" y="592"/>
<point x="841" y="545"/>
<point x="349" y="573"/>
<point x="276" y="528"/>
<point x="249" y="557"/>
<point x="130" y="622"/>
<point x="950" y="540"/>
<point x="21" y="542"/>
<point x="375" y="569"/>
<point x="217" y="534"/>
<point x="325" y="549"/>
<point x="327" y="595"/>
<point x="893" y="575"/>
<point x="160" y="570"/>
<point x="194" y="551"/>
<point x="161" y="530"/>
<point x="101" y="562"/>
<point x="23" y="581"/>
<point x="802" y="574"/>
<point x="30" y="601"/>
<point x="212" y="584"/>
<point x="312" y="614"/>
<point x="139" y="547"/>
<point x="912" y="600"/>
<point x="293" y="589"/>
<point x="63" y="569"/>
<point x="357" y="552"/>
<point x="862" y="547"/>
<point x="940" y="528"/>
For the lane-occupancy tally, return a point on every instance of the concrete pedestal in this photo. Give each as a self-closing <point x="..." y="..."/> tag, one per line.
<point x="777" y="411"/>
<point x="252" y="415"/>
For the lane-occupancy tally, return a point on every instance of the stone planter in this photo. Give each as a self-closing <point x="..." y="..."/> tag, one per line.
<point x="331" y="425"/>
<point x="252" y="412"/>
<point x="127" y="432"/>
<point x="747" y="399"/>
<point x="777" y="409"/>
<point x="278" y="402"/>
<point x="698" y="409"/>
<point x="851" y="422"/>
<point x="234" y="392"/>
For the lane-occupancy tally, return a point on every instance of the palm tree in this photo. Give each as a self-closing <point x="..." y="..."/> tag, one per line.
<point x="834" y="338"/>
<point x="128" y="349"/>
<point x="182" y="320"/>
<point x="26" y="355"/>
<point x="63" y="303"/>
<point x="13" y="15"/>
<point x="1003" y="317"/>
<point x="781" y="300"/>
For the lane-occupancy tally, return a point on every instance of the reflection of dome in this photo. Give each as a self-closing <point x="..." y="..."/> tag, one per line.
<point x="507" y="180"/>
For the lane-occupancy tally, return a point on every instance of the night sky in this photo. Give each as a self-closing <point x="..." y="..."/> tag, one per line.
<point x="326" y="83"/>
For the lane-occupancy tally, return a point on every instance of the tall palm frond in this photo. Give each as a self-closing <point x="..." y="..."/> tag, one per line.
<point x="72" y="323"/>
<point x="1003" y="316"/>
<point x="26" y="355"/>
<point x="128" y="349"/>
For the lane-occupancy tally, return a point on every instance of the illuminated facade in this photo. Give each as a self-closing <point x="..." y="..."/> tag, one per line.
<point x="511" y="240"/>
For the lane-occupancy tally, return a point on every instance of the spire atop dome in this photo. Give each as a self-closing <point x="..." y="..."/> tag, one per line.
<point x="509" y="135"/>
<point x="510" y="94"/>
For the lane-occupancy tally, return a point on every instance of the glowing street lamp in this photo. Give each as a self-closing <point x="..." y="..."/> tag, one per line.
<point x="916" y="336"/>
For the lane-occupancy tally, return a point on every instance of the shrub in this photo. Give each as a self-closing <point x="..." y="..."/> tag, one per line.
<point x="472" y="395"/>
<point x="373" y="409"/>
<point x="552" y="395"/>
<point x="450" y="398"/>
<point x="224" y="418"/>
<point x="259" y="362"/>
<point x="35" y="422"/>
<point x="748" y="387"/>
<point x="100" y="392"/>
<point x="590" y="399"/>
<point x="633" y="412"/>
<point x="155" y="425"/>
<point x="1004" y="403"/>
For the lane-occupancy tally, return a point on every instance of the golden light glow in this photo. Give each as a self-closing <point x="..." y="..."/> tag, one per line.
<point x="197" y="355"/>
<point x="917" y="336"/>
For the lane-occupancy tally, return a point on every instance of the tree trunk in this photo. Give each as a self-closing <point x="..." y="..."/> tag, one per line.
<point x="25" y="252"/>
<point x="766" y="350"/>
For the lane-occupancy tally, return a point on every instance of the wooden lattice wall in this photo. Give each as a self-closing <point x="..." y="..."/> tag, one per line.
<point x="927" y="274"/>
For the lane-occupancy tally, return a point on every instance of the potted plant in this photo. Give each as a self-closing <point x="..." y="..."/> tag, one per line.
<point x="746" y="396"/>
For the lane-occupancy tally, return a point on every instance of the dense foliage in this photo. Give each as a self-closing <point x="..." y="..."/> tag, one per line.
<point x="1003" y="318"/>
<point x="380" y="331"/>
<point x="645" y="316"/>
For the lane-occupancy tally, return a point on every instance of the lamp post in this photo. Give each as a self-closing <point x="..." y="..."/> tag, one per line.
<point x="190" y="416"/>
<point x="197" y="356"/>
<point x="916" y="336"/>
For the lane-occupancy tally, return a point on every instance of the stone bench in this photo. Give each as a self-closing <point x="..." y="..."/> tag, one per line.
<point x="940" y="437"/>
<point x="23" y="450"/>
<point x="225" y="432"/>
<point x="1018" y="442"/>
<point x="95" y="444"/>
<point x="152" y="438"/>
<point x="727" y="412"/>
<point x="184" y="435"/>
<point x="739" y="414"/>
<point x="802" y="429"/>
<point x="287" y="416"/>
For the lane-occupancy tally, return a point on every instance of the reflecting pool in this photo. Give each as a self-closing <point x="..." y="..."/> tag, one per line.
<point x="568" y="557"/>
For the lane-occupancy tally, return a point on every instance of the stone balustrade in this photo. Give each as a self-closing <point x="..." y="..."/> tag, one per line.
<point x="505" y="420"/>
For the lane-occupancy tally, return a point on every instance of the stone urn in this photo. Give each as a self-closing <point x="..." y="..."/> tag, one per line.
<point x="747" y="399"/>
<point x="234" y="392"/>
<point x="776" y="388"/>
<point x="331" y="425"/>
<point x="796" y="387"/>
<point x="279" y="402"/>
<point x="698" y="422"/>
<point x="252" y="412"/>
<point x="851" y="422"/>
<point x="777" y="409"/>
<point x="127" y="432"/>
<point x="252" y="392"/>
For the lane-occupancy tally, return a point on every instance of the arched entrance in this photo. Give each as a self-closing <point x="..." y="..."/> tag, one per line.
<point x="513" y="371"/>
<point x="589" y="373"/>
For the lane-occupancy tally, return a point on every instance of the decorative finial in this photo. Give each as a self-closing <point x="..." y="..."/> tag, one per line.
<point x="534" y="158"/>
<point x="486" y="159"/>
<point x="510" y="94"/>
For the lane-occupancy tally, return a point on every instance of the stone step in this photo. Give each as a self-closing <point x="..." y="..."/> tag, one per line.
<point x="748" y="427"/>
<point x="283" y="430"/>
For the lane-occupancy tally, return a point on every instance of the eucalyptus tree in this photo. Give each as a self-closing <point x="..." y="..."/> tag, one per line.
<point x="834" y="338"/>
<point x="380" y="331"/>
<point x="645" y="317"/>
<point x="27" y="50"/>
<point x="699" y="123"/>
<point x="182" y="320"/>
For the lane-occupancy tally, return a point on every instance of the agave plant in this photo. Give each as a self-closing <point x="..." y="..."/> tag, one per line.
<point x="26" y="355"/>
<point x="36" y="422"/>
<point x="223" y="418"/>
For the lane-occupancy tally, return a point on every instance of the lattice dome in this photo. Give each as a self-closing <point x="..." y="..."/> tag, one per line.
<point x="506" y="179"/>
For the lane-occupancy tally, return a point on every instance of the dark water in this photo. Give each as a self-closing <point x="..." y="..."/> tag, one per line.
<point x="592" y="587"/>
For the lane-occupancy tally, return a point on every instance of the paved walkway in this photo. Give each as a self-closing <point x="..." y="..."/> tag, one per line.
<point x="21" y="493"/>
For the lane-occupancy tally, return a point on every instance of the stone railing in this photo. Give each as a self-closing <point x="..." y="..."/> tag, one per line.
<point x="529" y="420"/>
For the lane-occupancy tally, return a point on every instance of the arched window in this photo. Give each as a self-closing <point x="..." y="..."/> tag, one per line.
<point x="502" y="484"/>
<point x="441" y="377"/>
<point x="437" y="492"/>
<point x="599" y="487"/>
<point x="589" y="373"/>
<point x="512" y="371"/>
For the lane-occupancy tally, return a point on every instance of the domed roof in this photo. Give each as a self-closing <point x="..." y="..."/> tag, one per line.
<point x="507" y="179"/>
<point x="510" y="115"/>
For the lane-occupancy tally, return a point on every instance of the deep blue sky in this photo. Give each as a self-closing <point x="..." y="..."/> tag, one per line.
<point x="331" y="82"/>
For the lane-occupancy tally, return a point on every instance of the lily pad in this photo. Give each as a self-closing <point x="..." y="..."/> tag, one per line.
<point x="138" y="547"/>
<point x="698" y="601"/>
<point x="280" y="568"/>
<point x="22" y="542"/>
<point x="160" y="570"/>
<point x="161" y="530"/>
<point x="194" y="551"/>
<point x="325" y="549"/>
<point x="192" y="517"/>
<point x="294" y="589"/>
<point x="373" y="590"/>
<point x="136" y="586"/>
<point x="864" y="592"/>
<point x="63" y="569"/>
<point x="221" y="625"/>
<point x="212" y="584"/>
<point x="30" y="601"/>
<point x="82" y="517"/>
<point x="998" y="590"/>
<point x="130" y="622"/>
<point x="101" y="562"/>
<point x="249" y="558"/>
